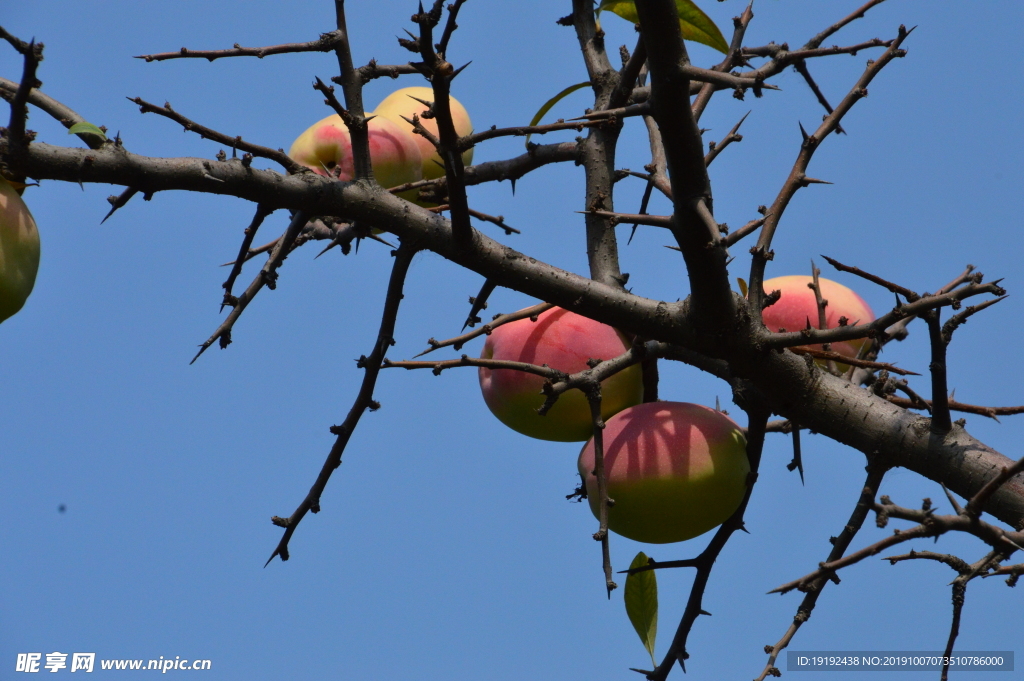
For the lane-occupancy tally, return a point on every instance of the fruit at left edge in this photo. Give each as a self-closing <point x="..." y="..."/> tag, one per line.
<point x="19" y="251"/>
<point x="675" y="470"/>
<point x="564" y="341"/>
<point x="326" y="148"/>
<point x="401" y="103"/>
<point x="798" y="305"/>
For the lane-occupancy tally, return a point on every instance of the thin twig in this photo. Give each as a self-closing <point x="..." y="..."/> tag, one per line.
<point x="364" y="400"/>
<point x="990" y="412"/>
<point x="262" y="212"/>
<point x="977" y="503"/>
<point x="267" y="276"/>
<point x="743" y="231"/>
<point x="839" y="546"/>
<point x="325" y="43"/>
<point x="929" y="525"/>
<point x="208" y="133"/>
<point x="459" y="341"/>
<point x="798" y="177"/>
<point x="478" y="303"/>
<point x="715" y="149"/>
<point x="593" y="393"/>
<point x="801" y="67"/>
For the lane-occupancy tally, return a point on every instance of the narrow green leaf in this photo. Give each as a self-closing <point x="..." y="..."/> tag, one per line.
<point x="641" y="596"/>
<point x="696" y="25"/>
<point x="743" y="287"/>
<point x="86" y="128"/>
<point x="551" y="102"/>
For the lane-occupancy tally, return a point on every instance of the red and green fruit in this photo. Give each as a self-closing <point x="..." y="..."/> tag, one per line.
<point x="326" y="149"/>
<point x="564" y="341"/>
<point x="798" y="306"/>
<point x="19" y="251"/>
<point x="675" y="470"/>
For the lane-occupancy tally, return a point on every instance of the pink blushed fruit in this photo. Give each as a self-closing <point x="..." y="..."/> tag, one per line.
<point x="675" y="471"/>
<point x="326" y="148"/>
<point x="798" y="305"/>
<point x="564" y="341"/>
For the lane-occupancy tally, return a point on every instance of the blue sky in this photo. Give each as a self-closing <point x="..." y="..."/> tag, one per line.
<point x="445" y="547"/>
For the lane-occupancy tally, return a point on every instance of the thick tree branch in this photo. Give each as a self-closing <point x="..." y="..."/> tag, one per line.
<point x="825" y="404"/>
<point x="705" y="256"/>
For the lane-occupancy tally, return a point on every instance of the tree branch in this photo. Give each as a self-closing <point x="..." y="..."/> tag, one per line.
<point x="364" y="400"/>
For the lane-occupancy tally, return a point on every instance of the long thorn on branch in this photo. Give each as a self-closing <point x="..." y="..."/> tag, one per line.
<point x="364" y="400"/>
<point x="821" y="304"/>
<point x="832" y="356"/>
<point x="120" y="201"/>
<point x="909" y="295"/>
<point x="645" y="201"/>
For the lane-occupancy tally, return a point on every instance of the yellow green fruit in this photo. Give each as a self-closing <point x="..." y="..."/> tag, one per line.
<point x="401" y="103"/>
<point x="675" y="471"/>
<point x="19" y="251"/>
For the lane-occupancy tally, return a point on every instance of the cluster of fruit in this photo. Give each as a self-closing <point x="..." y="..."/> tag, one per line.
<point x="398" y="155"/>
<point x="675" y="470"/>
<point x="19" y="250"/>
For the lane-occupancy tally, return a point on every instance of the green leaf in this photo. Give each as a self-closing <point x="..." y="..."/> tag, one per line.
<point x="86" y="129"/>
<point x="641" y="596"/>
<point x="551" y="102"/>
<point x="696" y="25"/>
<point x="743" y="287"/>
